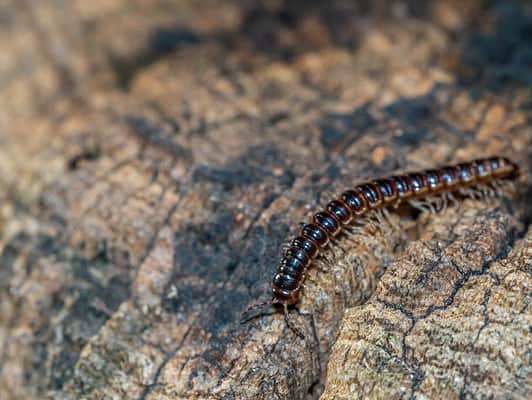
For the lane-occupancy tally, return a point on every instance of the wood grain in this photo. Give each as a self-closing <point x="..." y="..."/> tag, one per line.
<point x="154" y="159"/>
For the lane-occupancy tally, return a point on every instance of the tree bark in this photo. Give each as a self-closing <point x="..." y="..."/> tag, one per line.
<point x="154" y="159"/>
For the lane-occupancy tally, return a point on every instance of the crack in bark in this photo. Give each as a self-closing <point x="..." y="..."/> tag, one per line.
<point x="148" y="389"/>
<point x="169" y="355"/>
<point x="487" y="296"/>
<point x="417" y="374"/>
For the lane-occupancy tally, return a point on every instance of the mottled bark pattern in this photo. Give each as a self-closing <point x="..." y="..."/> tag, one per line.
<point x="450" y="319"/>
<point x="155" y="156"/>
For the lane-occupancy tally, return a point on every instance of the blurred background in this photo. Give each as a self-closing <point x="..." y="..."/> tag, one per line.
<point x="151" y="149"/>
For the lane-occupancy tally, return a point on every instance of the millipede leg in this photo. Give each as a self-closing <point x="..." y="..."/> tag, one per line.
<point x="290" y="324"/>
<point x="386" y="228"/>
<point x="336" y="242"/>
<point x="390" y="221"/>
<point x="498" y="186"/>
<point x="381" y="219"/>
<point x="314" y="331"/>
<point x="257" y="310"/>
<point x="337" y="248"/>
<point x="370" y="221"/>
<point x="329" y="256"/>
<point x="476" y="193"/>
<point x="419" y="205"/>
<point x="318" y="264"/>
<point x="444" y="202"/>
<point x="511" y="187"/>
<point x="432" y="204"/>
<point x="439" y="203"/>
<point x="354" y="231"/>
<point x="506" y="187"/>
<point x="487" y="190"/>
<point x="451" y="199"/>
<point x="467" y="192"/>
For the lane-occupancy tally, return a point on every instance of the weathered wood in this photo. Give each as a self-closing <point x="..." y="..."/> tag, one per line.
<point x="146" y="199"/>
<point x="450" y="319"/>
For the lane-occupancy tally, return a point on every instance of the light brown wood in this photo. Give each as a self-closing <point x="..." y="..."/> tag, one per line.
<point x="154" y="158"/>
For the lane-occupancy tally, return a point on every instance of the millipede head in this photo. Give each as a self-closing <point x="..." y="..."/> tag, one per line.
<point x="286" y="281"/>
<point x="284" y="296"/>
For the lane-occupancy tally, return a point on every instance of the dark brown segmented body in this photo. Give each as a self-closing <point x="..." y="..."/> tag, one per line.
<point x="371" y="195"/>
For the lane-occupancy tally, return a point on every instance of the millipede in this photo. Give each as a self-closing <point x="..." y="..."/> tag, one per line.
<point x="359" y="201"/>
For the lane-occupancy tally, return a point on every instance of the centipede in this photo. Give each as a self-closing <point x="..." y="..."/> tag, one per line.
<point x="363" y="198"/>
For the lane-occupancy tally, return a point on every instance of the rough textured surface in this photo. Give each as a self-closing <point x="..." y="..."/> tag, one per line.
<point x="450" y="319"/>
<point x="147" y="185"/>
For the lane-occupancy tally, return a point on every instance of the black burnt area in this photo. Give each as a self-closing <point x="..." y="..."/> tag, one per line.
<point x="262" y="256"/>
<point x="161" y="41"/>
<point x="264" y="27"/>
<point x="229" y="307"/>
<point x="271" y="26"/>
<point x="411" y="137"/>
<point x="199" y="248"/>
<point x="388" y="165"/>
<point x="83" y="319"/>
<point x="25" y="246"/>
<point x="411" y="110"/>
<point x="224" y="275"/>
<point x="167" y="39"/>
<point x="154" y="135"/>
<point x="252" y="166"/>
<point x="94" y="305"/>
<point x="267" y="27"/>
<point x="202" y="257"/>
<point x="337" y="131"/>
<point x="208" y="267"/>
<point x="415" y="116"/>
<point x="277" y="30"/>
<point x="10" y="253"/>
<point x="258" y="261"/>
<point x="333" y="171"/>
<point x="95" y="301"/>
<point x="502" y="57"/>
<point x="87" y="154"/>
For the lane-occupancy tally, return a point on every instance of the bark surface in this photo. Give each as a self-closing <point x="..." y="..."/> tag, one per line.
<point x="155" y="157"/>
